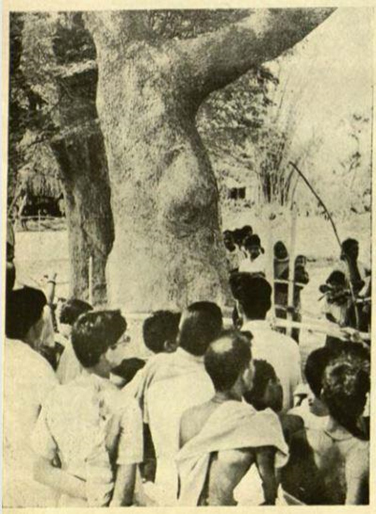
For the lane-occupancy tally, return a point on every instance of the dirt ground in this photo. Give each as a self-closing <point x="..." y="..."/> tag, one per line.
<point x="40" y="252"/>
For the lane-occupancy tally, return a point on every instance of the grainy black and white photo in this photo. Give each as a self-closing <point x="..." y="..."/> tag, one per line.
<point x="188" y="257"/>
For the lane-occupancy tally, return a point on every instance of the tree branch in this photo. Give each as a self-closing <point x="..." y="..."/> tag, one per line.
<point x="211" y="61"/>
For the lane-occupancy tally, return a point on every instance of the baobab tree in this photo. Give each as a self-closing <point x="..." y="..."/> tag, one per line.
<point x="167" y="249"/>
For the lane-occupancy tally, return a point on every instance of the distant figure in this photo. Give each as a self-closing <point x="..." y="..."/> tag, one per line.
<point x="253" y="296"/>
<point x="224" y="436"/>
<point x="255" y="262"/>
<point x="281" y="272"/>
<point x="358" y="276"/>
<point x="337" y="305"/>
<point x="232" y="253"/>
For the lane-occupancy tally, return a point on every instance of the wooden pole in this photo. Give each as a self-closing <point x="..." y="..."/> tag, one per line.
<point x="91" y="280"/>
<point x="291" y="283"/>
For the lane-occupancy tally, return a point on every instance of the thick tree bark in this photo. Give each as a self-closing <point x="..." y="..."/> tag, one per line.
<point x="167" y="250"/>
<point x="81" y="155"/>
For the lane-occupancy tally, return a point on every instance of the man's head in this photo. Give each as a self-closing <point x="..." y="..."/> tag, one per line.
<point x="301" y="260"/>
<point x="228" y="362"/>
<point x="96" y="340"/>
<point x="246" y="231"/>
<point x="350" y="249"/>
<point x="24" y="314"/>
<point x="252" y="245"/>
<point x="253" y="294"/>
<point x="266" y="391"/>
<point x="280" y="251"/>
<point x="200" y="324"/>
<point x="237" y="236"/>
<point x="344" y="391"/>
<point x="228" y="240"/>
<point x="160" y="331"/>
<point x="314" y="370"/>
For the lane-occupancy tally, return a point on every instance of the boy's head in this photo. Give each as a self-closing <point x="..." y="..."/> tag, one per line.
<point x="252" y="245"/>
<point x="200" y="324"/>
<point x="267" y="391"/>
<point x="96" y="340"/>
<point x="253" y="294"/>
<point x="344" y="391"/>
<point x="160" y="331"/>
<point x="314" y="370"/>
<point x="228" y="362"/>
<point x="24" y="314"/>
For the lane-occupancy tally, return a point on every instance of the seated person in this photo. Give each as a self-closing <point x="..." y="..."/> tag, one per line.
<point x="28" y="380"/>
<point x="82" y="469"/>
<point x="221" y="438"/>
<point x="171" y="383"/>
<point x="68" y="313"/>
<point x="331" y="465"/>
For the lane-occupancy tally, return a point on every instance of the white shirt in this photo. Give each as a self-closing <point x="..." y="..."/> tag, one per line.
<point x="166" y="401"/>
<point x="256" y="266"/>
<point x="69" y="367"/>
<point x="89" y="427"/>
<point x="28" y="379"/>
<point x="279" y="350"/>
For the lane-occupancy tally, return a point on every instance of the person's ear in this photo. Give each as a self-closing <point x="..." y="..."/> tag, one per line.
<point x="170" y="346"/>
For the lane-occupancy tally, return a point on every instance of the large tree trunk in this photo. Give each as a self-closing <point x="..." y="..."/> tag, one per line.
<point x="167" y="249"/>
<point x="81" y="155"/>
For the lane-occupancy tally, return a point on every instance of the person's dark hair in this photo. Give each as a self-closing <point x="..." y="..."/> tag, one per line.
<point x="344" y="391"/>
<point x="227" y="357"/>
<point x="201" y="323"/>
<point x="280" y="250"/>
<point x="336" y="278"/>
<point x="94" y="333"/>
<point x="72" y="309"/>
<point x="349" y="243"/>
<point x="253" y="293"/>
<point x="160" y="327"/>
<point x="246" y="231"/>
<point x="128" y="368"/>
<point x="237" y="235"/>
<point x="263" y="372"/>
<point x="315" y="366"/>
<point x="24" y="308"/>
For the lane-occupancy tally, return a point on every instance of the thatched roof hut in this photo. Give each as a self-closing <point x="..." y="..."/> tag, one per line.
<point x="40" y="175"/>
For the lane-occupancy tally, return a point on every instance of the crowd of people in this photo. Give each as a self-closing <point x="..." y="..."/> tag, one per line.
<point x="215" y="416"/>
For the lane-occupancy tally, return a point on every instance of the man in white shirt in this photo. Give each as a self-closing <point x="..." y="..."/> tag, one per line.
<point x="255" y="261"/>
<point x="253" y="295"/>
<point x="172" y="383"/>
<point x="28" y="379"/>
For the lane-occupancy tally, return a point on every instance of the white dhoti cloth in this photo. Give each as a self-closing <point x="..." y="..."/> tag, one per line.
<point x="234" y="425"/>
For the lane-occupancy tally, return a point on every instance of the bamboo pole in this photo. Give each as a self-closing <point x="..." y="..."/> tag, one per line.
<point x="291" y="281"/>
<point x="335" y="232"/>
<point x="91" y="280"/>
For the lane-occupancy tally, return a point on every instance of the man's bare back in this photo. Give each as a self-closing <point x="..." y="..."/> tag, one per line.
<point x="227" y="468"/>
